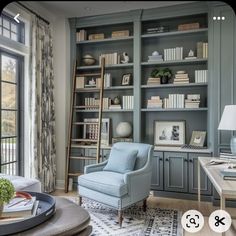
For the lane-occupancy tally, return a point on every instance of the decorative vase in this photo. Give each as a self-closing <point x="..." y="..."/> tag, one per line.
<point x="164" y="80"/>
<point x="124" y="129"/>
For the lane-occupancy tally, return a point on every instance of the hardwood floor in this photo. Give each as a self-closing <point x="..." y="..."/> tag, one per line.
<point x="206" y="209"/>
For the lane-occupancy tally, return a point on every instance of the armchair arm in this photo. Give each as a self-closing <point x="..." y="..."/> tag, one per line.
<point x="139" y="181"/>
<point x="94" y="167"/>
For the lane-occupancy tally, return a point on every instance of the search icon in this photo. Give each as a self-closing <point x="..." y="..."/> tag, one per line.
<point x="192" y="221"/>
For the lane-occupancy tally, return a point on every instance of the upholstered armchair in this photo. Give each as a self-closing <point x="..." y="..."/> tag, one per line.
<point x="122" y="180"/>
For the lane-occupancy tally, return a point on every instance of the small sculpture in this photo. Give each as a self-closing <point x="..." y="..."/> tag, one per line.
<point x="116" y="100"/>
<point x="191" y="53"/>
<point x="125" y="58"/>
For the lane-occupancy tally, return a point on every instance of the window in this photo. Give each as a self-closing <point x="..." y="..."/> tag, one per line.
<point x="9" y="28"/>
<point x="11" y="109"/>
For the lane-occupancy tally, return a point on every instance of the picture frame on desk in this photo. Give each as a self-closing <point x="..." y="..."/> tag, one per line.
<point x="126" y="79"/>
<point x="169" y="133"/>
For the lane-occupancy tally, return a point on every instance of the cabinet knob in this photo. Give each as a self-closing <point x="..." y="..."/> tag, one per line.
<point x="160" y="159"/>
<point x="167" y="159"/>
<point x="186" y="160"/>
<point x="191" y="160"/>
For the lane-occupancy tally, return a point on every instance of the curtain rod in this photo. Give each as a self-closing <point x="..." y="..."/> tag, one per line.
<point x="40" y="17"/>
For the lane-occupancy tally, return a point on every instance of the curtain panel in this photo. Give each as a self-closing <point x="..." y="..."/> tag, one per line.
<point x="42" y="106"/>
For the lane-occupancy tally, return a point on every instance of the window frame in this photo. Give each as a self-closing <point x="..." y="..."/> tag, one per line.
<point x="19" y="108"/>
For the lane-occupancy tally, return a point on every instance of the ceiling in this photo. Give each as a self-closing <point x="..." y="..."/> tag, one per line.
<point x="89" y="8"/>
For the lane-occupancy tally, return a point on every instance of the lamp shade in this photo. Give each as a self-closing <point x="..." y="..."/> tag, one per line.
<point x="228" y="118"/>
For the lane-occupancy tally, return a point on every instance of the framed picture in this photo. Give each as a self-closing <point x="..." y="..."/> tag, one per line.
<point x="198" y="138"/>
<point x="91" y="130"/>
<point x="169" y="133"/>
<point x="126" y="79"/>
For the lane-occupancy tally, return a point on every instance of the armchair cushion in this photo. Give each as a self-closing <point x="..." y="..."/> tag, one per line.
<point x="106" y="182"/>
<point x="121" y="160"/>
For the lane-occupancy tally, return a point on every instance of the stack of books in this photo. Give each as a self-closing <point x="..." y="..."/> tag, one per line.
<point x="192" y="101"/>
<point x="155" y="58"/>
<point x="128" y="102"/>
<point x="154" y="102"/>
<point x="181" y="77"/>
<point x="115" y="107"/>
<point x="19" y="208"/>
<point x="189" y="26"/>
<point x="153" y="81"/>
<point x="110" y="58"/>
<point x="229" y="173"/>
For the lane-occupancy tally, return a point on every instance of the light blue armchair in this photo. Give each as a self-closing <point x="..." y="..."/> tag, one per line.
<point x="119" y="190"/>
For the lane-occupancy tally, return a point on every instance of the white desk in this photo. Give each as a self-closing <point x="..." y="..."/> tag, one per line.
<point x="225" y="188"/>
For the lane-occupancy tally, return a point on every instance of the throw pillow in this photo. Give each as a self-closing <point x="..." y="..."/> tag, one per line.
<point x="121" y="161"/>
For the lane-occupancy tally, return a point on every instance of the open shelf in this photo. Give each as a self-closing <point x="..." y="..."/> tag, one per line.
<point x="105" y="40"/>
<point x="187" y="61"/>
<point x="87" y="90"/>
<point x="174" y="85"/>
<point x="122" y="110"/>
<point x="174" y="33"/>
<point x="106" y="66"/>
<point x="173" y="109"/>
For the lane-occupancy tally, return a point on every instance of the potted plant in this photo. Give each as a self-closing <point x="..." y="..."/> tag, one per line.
<point x="165" y="75"/>
<point x="7" y="192"/>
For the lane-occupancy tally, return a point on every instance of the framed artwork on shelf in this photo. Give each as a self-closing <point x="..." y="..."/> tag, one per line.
<point x="126" y="79"/>
<point x="198" y="138"/>
<point x="169" y="133"/>
<point x="91" y="130"/>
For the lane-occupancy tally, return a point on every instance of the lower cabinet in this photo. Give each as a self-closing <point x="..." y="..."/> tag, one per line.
<point x="206" y="187"/>
<point x="157" y="172"/>
<point x="175" y="172"/>
<point x="178" y="172"/>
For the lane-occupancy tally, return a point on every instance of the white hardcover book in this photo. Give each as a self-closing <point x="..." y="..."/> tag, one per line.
<point x="204" y="50"/>
<point x="169" y="54"/>
<point x="164" y="54"/>
<point x="206" y="76"/>
<point x="195" y="76"/>
<point x="181" y="53"/>
<point x="174" y="53"/>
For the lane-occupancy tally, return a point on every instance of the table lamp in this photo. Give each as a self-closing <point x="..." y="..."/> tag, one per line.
<point x="228" y="122"/>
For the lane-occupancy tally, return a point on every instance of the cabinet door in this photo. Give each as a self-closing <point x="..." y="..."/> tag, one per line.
<point x="157" y="171"/>
<point x="105" y="154"/>
<point x="175" y="171"/>
<point x="206" y="187"/>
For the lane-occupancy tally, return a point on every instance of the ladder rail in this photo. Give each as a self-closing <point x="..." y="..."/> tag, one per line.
<point x="100" y="109"/>
<point x="70" y="126"/>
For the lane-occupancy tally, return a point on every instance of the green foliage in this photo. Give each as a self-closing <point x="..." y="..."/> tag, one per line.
<point x="7" y="190"/>
<point x="161" y="72"/>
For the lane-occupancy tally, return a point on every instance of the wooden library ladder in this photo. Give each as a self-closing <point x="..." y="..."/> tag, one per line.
<point x="71" y="124"/>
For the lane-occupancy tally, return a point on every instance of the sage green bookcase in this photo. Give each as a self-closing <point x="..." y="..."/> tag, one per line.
<point x="174" y="169"/>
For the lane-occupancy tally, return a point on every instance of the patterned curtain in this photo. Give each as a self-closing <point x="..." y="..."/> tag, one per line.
<point x="42" y="107"/>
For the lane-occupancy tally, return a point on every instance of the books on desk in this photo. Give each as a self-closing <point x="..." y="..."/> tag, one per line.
<point x="228" y="174"/>
<point x="19" y="207"/>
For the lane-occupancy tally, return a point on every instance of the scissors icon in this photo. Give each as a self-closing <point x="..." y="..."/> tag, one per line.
<point x="219" y="221"/>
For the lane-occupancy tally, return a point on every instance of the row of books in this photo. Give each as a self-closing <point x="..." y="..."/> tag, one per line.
<point x="202" y="50"/>
<point x="19" y="208"/>
<point x="127" y="103"/>
<point x="91" y="101"/>
<point x="201" y="76"/>
<point x="81" y="35"/>
<point x="172" y="54"/>
<point x="174" y="101"/>
<point x="110" y="58"/>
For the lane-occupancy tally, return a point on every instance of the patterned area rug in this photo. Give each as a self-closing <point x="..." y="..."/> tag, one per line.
<point x="155" y="221"/>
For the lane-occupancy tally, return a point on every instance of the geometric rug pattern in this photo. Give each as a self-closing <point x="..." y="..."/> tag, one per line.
<point x="155" y="221"/>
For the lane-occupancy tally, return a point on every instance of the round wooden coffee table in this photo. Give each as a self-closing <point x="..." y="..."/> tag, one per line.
<point x="68" y="219"/>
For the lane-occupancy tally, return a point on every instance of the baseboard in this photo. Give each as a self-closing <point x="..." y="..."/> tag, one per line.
<point x="60" y="184"/>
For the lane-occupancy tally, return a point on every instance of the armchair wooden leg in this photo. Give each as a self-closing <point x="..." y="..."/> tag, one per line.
<point x="80" y="200"/>
<point x="144" y="205"/>
<point x="120" y="218"/>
